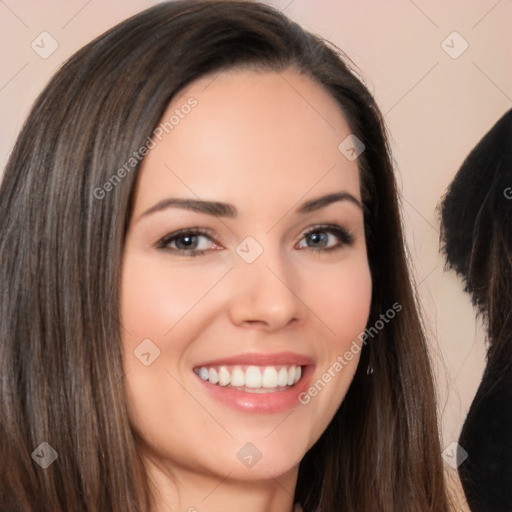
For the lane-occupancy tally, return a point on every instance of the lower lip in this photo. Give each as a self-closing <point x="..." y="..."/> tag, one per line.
<point x="260" y="403"/>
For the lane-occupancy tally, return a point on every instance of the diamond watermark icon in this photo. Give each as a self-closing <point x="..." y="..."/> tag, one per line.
<point x="44" y="45"/>
<point x="249" y="250"/>
<point x="45" y="455"/>
<point x="454" y="455"/>
<point x="351" y="147"/>
<point x="249" y="455"/>
<point x="454" y="45"/>
<point x="146" y="352"/>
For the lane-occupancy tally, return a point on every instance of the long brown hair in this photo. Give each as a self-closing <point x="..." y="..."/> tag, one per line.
<point x="61" y="245"/>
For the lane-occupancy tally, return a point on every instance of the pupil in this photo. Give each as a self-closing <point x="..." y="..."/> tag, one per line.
<point x="186" y="242"/>
<point x="318" y="238"/>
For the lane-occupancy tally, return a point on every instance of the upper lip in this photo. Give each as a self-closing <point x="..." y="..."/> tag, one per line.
<point x="257" y="359"/>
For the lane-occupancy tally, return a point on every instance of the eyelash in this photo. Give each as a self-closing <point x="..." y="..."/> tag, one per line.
<point x="344" y="236"/>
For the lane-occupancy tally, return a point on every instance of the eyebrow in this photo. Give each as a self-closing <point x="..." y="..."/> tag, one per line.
<point x="218" y="209"/>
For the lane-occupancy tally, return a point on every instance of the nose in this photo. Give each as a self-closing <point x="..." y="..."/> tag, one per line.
<point x="266" y="294"/>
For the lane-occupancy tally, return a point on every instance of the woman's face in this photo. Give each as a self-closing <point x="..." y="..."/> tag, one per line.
<point x="245" y="278"/>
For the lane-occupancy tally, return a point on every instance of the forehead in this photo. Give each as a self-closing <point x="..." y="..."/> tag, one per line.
<point x="249" y="134"/>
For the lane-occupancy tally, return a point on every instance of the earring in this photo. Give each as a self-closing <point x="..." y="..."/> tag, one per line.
<point x="369" y="370"/>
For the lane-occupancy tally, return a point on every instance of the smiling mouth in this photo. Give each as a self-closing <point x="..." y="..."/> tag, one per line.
<point x="250" y="378"/>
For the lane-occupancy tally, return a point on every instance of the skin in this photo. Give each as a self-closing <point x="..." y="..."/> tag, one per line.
<point x="265" y="143"/>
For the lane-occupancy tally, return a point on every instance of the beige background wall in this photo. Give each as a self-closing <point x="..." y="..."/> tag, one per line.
<point x="437" y="108"/>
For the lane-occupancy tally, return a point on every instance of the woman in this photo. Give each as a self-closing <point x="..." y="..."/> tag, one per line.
<point x="476" y="215"/>
<point x="219" y="314"/>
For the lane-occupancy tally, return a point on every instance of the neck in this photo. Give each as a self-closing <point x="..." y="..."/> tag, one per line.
<point x="185" y="490"/>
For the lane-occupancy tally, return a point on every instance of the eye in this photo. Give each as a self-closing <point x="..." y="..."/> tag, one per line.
<point x="326" y="238"/>
<point x="188" y="242"/>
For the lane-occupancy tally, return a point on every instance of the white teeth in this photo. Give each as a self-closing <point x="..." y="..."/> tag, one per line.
<point x="224" y="376"/>
<point x="237" y="377"/>
<point x="213" y="376"/>
<point x="282" y="377"/>
<point x="269" y="377"/>
<point x="291" y="375"/>
<point x="253" y="378"/>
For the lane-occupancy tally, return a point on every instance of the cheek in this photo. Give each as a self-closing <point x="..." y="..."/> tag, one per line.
<point x="158" y="302"/>
<point x="341" y="297"/>
<point x="156" y="297"/>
